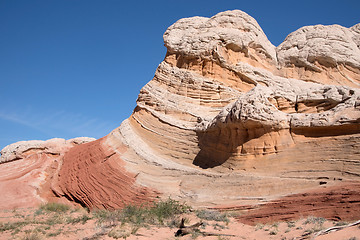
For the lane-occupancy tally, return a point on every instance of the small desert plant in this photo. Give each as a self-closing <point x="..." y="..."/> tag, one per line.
<point x="222" y="238"/>
<point x="353" y="238"/>
<point x="212" y="215"/>
<point x="273" y="232"/>
<point x="82" y="219"/>
<point x="165" y="209"/>
<point x="158" y="212"/>
<point x="107" y="217"/>
<point x="54" y="207"/>
<point x="259" y="226"/>
<point x="122" y="231"/>
<point x="134" y="214"/>
<point x="275" y="225"/>
<point x="56" y="233"/>
<point x="341" y="223"/>
<point x="12" y="226"/>
<point x="272" y="229"/>
<point x="291" y="224"/>
<point x="315" y="220"/>
<point x="314" y="229"/>
<point x="33" y="235"/>
<point x="218" y="226"/>
<point x="53" y="220"/>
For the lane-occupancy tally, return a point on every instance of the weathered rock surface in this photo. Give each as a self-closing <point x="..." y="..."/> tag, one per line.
<point x="340" y="202"/>
<point x="229" y="119"/>
<point x="95" y="177"/>
<point x="325" y="54"/>
<point x="27" y="169"/>
<point x="23" y="149"/>
<point x="264" y="121"/>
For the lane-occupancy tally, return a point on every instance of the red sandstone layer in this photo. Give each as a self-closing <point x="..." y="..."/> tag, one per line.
<point x="95" y="176"/>
<point x="337" y="202"/>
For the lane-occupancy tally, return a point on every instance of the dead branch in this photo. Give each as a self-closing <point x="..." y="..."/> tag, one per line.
<point x="336" y="228"/>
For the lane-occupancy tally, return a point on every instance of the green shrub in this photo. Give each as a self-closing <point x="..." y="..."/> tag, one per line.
<point x="166" y="209"/>
<point x="156" y="213"/>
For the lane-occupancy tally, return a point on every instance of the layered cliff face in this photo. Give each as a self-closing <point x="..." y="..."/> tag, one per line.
<point x="262" y="120"/>
<point x="230" y="119"/>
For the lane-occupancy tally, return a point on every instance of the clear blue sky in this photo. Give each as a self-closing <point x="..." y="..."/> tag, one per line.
<point x="72" y="68"/>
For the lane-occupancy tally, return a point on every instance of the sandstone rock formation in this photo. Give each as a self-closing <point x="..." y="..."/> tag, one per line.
<point x="340" y="202"/>
<point x="229" y="118"/>
<point x="27" y="169"/>
<point x="95" y="177"/>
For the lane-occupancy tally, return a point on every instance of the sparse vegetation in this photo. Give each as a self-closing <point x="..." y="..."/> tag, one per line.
<point x="122" y="231"/>
<point x="55" y="207"/>
<point x="212" y="215"/>
<point x="159" y="213"/>
<point x="82" y="219"/>
<point x="273" y="232"/>
<point x="314" y="220"/>
<point x="218" y="226"/>
<point x="195" y="235"/>
<point x="259" y="226"/>
<point x="33" y="235"/>
<point x="222" y="238"/>
<point x="291" y="224"/>
<point x="61" y="221"/>
<point x="317" y="222"/>
<point x="41" y="221"/>
<point x="341" y="223"/>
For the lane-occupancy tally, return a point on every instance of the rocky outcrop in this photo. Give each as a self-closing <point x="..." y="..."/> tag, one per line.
<point x="23" y="149"/>
<point x="265" y="120"/>
<point x="27" y="170"/>
<point x="324" y="54"/>
<point x="229" y="118"/>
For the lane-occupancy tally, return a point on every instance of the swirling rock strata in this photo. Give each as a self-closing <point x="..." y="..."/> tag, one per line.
<point x="27" y="169"/>
<point x="95" y="177"/>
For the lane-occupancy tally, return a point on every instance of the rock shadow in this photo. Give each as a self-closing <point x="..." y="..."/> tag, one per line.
<point x="217" y="145"/>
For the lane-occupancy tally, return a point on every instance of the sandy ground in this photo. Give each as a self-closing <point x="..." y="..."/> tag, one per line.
<point x="31" y="223"/>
